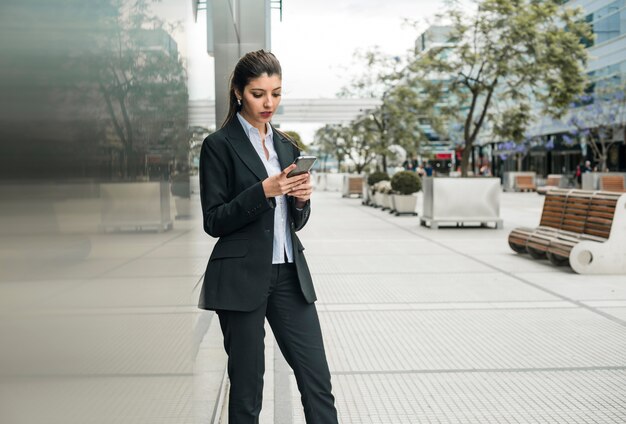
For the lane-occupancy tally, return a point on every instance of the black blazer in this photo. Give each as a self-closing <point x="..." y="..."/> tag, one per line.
<point x="235" y="209"/>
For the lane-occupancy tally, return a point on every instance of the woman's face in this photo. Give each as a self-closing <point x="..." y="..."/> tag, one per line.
<point x="260" y="99"/>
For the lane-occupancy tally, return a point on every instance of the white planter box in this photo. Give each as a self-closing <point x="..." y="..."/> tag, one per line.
<point x="183" y="207"/>
<point x="386" y="201"/>
<point x="591" y="180"/>
<point x="461" y="200"/>
<point x="404" y="204"/>
<point x="135" y="206"/>
<point x="378" y="200"/>
<point x="367" y="194"/>
<point x="508" y="181"/>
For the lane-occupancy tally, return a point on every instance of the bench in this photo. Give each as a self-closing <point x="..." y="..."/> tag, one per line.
<point x="612" y="183"/>
<point x="553" y="181"/>
<point x="586" y="229"/>
<point x="352" y="185"/>
<point x="525" y="183"/>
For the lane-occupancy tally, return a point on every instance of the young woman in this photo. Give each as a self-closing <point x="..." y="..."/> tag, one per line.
<point x="257" y="269"/>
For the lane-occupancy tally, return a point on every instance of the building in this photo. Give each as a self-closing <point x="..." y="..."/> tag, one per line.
<point x="553" y="148"/>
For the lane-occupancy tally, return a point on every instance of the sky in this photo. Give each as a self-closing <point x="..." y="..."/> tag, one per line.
<point x="315" y="42"/>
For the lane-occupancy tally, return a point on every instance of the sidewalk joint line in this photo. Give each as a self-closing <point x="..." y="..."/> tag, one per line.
<point x="483" y="370"/>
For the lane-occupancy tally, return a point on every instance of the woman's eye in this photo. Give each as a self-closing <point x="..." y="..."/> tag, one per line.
<point x="276" y="94"/>
<point x="257" y="96"/>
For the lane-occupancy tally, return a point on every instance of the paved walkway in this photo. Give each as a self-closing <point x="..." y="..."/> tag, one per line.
<point x="447" y="326"/>
<point x="421" y="326"/>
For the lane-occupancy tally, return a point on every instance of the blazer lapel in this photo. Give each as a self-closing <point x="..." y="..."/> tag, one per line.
<point x="244" y="149"/>
<point x="284" y="150"/>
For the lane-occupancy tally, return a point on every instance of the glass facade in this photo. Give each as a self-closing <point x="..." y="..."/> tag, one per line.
<point x="607" y="77"/>
<point x="608" y="22"/>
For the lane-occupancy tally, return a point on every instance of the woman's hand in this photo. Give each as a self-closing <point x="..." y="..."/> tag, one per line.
<point x="302" y="192"/>
<point x="279" y="184"/>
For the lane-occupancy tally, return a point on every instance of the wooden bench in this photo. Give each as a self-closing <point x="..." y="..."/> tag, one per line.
<point x="612" y="183"/>
<point x="586" y="229"/>
<point x="525" y="183"/>
<point x="353" y="185"/>
<point x="553" y="182"/>
<point x="551" y="217"/>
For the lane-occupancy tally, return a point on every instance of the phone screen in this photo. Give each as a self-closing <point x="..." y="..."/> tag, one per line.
<point x="303" y="164"/>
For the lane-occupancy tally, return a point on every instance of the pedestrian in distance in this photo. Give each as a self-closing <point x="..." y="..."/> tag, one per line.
<point x="257" y="269"/>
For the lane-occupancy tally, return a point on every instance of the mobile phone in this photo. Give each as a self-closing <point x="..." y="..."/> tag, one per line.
<point x="303" y="165"/>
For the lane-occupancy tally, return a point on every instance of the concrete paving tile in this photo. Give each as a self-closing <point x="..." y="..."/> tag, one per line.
<point x="15" y="295"/>
<point x="619" y="313"/>
<point x="515" y="263"/>
<point x="183" y="249"/>
<point x="418" y="287"/>
<point x="161" y="267"/>
<point x="125" y="293"/>
<point x="570" y="397"/>
<point x="390" y="263"/>
<point x="88" y="268"/>
<point x="363" y="246"/>
<point x="580" y="287"/>
<point x="471" y="339"/>
<point x="143" y="399"/>
<point x="96" y="345"/>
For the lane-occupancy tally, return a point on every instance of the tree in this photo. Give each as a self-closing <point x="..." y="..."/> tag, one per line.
<point x="411" y="116"/>
<point x="329" y="144"/>
<point x="298" y="140"/>
<point x="142" y="83"/>
<point x="357" y="141"/>
<point x="501" y="59"/>
<point x="381" y="73"/>
<point x="600" y="118"/>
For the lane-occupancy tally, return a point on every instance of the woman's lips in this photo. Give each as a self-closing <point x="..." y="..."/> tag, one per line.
<point x="266" y="114"/>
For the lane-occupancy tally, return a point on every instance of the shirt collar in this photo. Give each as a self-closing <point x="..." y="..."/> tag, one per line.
<point x="248" y="127"/>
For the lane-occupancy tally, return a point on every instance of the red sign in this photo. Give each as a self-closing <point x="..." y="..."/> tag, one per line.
<point x="447" y="156"/>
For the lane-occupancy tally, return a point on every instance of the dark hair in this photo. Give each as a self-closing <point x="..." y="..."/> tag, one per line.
<point x="252" y="65"/>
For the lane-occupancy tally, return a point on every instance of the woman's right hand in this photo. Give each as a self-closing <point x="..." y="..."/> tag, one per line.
<point x="279" y="184"/>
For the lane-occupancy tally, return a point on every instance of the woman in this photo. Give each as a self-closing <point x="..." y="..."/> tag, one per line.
<point x="257" y="269"/>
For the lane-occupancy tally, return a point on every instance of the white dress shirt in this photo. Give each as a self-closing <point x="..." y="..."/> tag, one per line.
<point x="282" y="236"/>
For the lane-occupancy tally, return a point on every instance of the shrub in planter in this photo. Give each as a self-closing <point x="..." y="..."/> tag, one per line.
<point x="377" y="176"/>
<point x="383" y="189"/>
<point x="180" y="185"/>
<point x="406" y="182"/>
<point x="372" y="183"/>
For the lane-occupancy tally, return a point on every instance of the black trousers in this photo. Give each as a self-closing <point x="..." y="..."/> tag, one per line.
<point x="297" y="330"/>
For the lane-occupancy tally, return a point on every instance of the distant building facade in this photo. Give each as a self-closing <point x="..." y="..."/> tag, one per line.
<point x="551" y="149"/>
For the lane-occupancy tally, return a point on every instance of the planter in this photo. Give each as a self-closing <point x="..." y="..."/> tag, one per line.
<point x="378" y="200"/>
<point x="366" y="193"/>
<point x="461" y="201"/>
<point x="135" y="206"/>
<point x="508" y="181"/>
<point x="404" y="204"/>
<point x="386" y="201"/>
<point x="183" y="207"/>
<point x="591" y="180"/>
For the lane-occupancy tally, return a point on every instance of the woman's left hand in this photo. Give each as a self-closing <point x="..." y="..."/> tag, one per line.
<point x="302" y="192"/>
